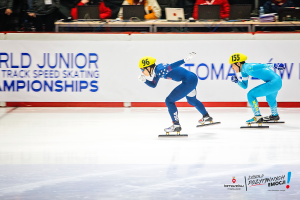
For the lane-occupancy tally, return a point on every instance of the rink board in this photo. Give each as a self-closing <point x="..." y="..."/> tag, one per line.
<point x="79" y="71"/>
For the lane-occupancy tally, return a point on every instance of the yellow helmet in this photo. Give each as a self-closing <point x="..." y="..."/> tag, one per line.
<point x="237" y="57"/>
<point x="146" y="61"/>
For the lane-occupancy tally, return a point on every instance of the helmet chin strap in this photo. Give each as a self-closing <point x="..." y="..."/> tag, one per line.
<point x="151" y="69"/>
<point x="148" y="71"/>
<point x="238" y="67"/>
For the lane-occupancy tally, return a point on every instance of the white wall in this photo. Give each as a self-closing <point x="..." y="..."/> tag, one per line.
<point x="117" y="65"/>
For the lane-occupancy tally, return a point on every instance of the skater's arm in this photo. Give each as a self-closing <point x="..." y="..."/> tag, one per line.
<point x="153" y="83"/>
<point x="180" y="62"/>
<point x="244" y="83"/>
<point x="176" y="64"/>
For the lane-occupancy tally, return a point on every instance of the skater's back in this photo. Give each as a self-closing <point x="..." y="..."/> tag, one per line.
<point x="173" y="71"/>
<point x="261" y="71"/>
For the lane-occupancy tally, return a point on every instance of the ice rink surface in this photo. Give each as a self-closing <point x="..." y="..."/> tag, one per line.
<point x="115" y="153"/>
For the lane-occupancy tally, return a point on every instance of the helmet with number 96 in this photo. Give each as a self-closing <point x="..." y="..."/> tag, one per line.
<point x="146" y="61"/>
<point x="237" y="57"/>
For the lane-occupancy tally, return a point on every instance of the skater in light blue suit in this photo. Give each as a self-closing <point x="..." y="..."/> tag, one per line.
<point x="269" y="89"/>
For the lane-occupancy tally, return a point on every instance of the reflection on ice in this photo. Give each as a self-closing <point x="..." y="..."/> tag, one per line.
<point x="115" y="153"/>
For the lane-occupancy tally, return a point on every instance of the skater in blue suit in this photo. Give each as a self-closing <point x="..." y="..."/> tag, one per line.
<point x="187" y="88"/>
<point x="269" y="89"/>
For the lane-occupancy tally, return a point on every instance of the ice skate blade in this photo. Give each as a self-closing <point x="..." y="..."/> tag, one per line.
<point x="174" y="135"/>
<point x="273" y="122"/>
<point x="250" y="126"/>
<point x="208" y="124"/>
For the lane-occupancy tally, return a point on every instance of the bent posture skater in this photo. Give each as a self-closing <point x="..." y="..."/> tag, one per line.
<point x="187" y="88"/>
<point x="269" y="89"/>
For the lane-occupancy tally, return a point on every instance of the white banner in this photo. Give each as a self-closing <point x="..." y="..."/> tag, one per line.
<point x="107" y="71"/>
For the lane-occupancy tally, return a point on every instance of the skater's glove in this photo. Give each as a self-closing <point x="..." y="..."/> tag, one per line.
<point x="279" y="66"/>
<point x="142" y="78"/>
<point x="234" y="79"/>
<point x="190" y="56"/>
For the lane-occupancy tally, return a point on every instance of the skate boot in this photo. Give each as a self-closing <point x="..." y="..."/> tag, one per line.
<point x="271" y="118"/>
<point x="255" y="119"/>
<point x="206" y="118"/>
<point x="173" y="128"/>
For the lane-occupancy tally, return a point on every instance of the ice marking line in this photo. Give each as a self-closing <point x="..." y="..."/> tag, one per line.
<point x="163" y="186"/>
<point x="31" y="186"/>
<point x="11" y="110"/>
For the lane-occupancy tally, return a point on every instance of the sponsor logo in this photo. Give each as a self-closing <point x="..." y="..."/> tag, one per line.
<point x="233" y="179"/>
<point x="234" y="186"/>
<point x="288" y="180"/>
<point x="272" y="183"/>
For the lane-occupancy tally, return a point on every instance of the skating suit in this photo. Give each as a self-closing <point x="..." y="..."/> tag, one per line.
<point x="186" y="89"/>
<point x="270" y="88"/>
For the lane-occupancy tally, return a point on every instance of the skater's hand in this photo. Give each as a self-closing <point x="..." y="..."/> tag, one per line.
<point x="234" y="79"/>
<point x="142" y="78"/>
<point x="279" y="66"/>
<point x="190" y="56"/>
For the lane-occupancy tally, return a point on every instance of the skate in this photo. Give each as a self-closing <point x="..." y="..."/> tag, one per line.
<point x="173" y="128"/>
<point x="207" y="120"/>
<point x="255" y="120"/>
<point x="272" y="119"/>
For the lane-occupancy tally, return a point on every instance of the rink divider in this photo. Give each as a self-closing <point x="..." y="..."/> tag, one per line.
<point x="281" y="104"/>
<point x="185" y="104"/>
<point x="142" y="104"/>
<point x="136" y="36"/>
<point x="2" y="36"/>
<point x="64" y="104"/>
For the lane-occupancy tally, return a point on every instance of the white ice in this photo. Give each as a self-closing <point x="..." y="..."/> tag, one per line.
<point x="115" y="153"/>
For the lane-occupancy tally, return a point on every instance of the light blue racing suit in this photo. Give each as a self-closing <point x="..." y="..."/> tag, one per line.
<point x="270" y="88"/>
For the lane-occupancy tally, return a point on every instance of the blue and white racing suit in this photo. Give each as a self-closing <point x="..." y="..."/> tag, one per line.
<point x="186" y="89"/>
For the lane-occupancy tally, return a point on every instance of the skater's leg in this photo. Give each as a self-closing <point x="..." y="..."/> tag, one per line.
<point x="271" y="99"/>
<point x="192" y="100"/>
<point x="178" y="93"/>
<point x="251" y="96"/>
<point x="260" y="91"/>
